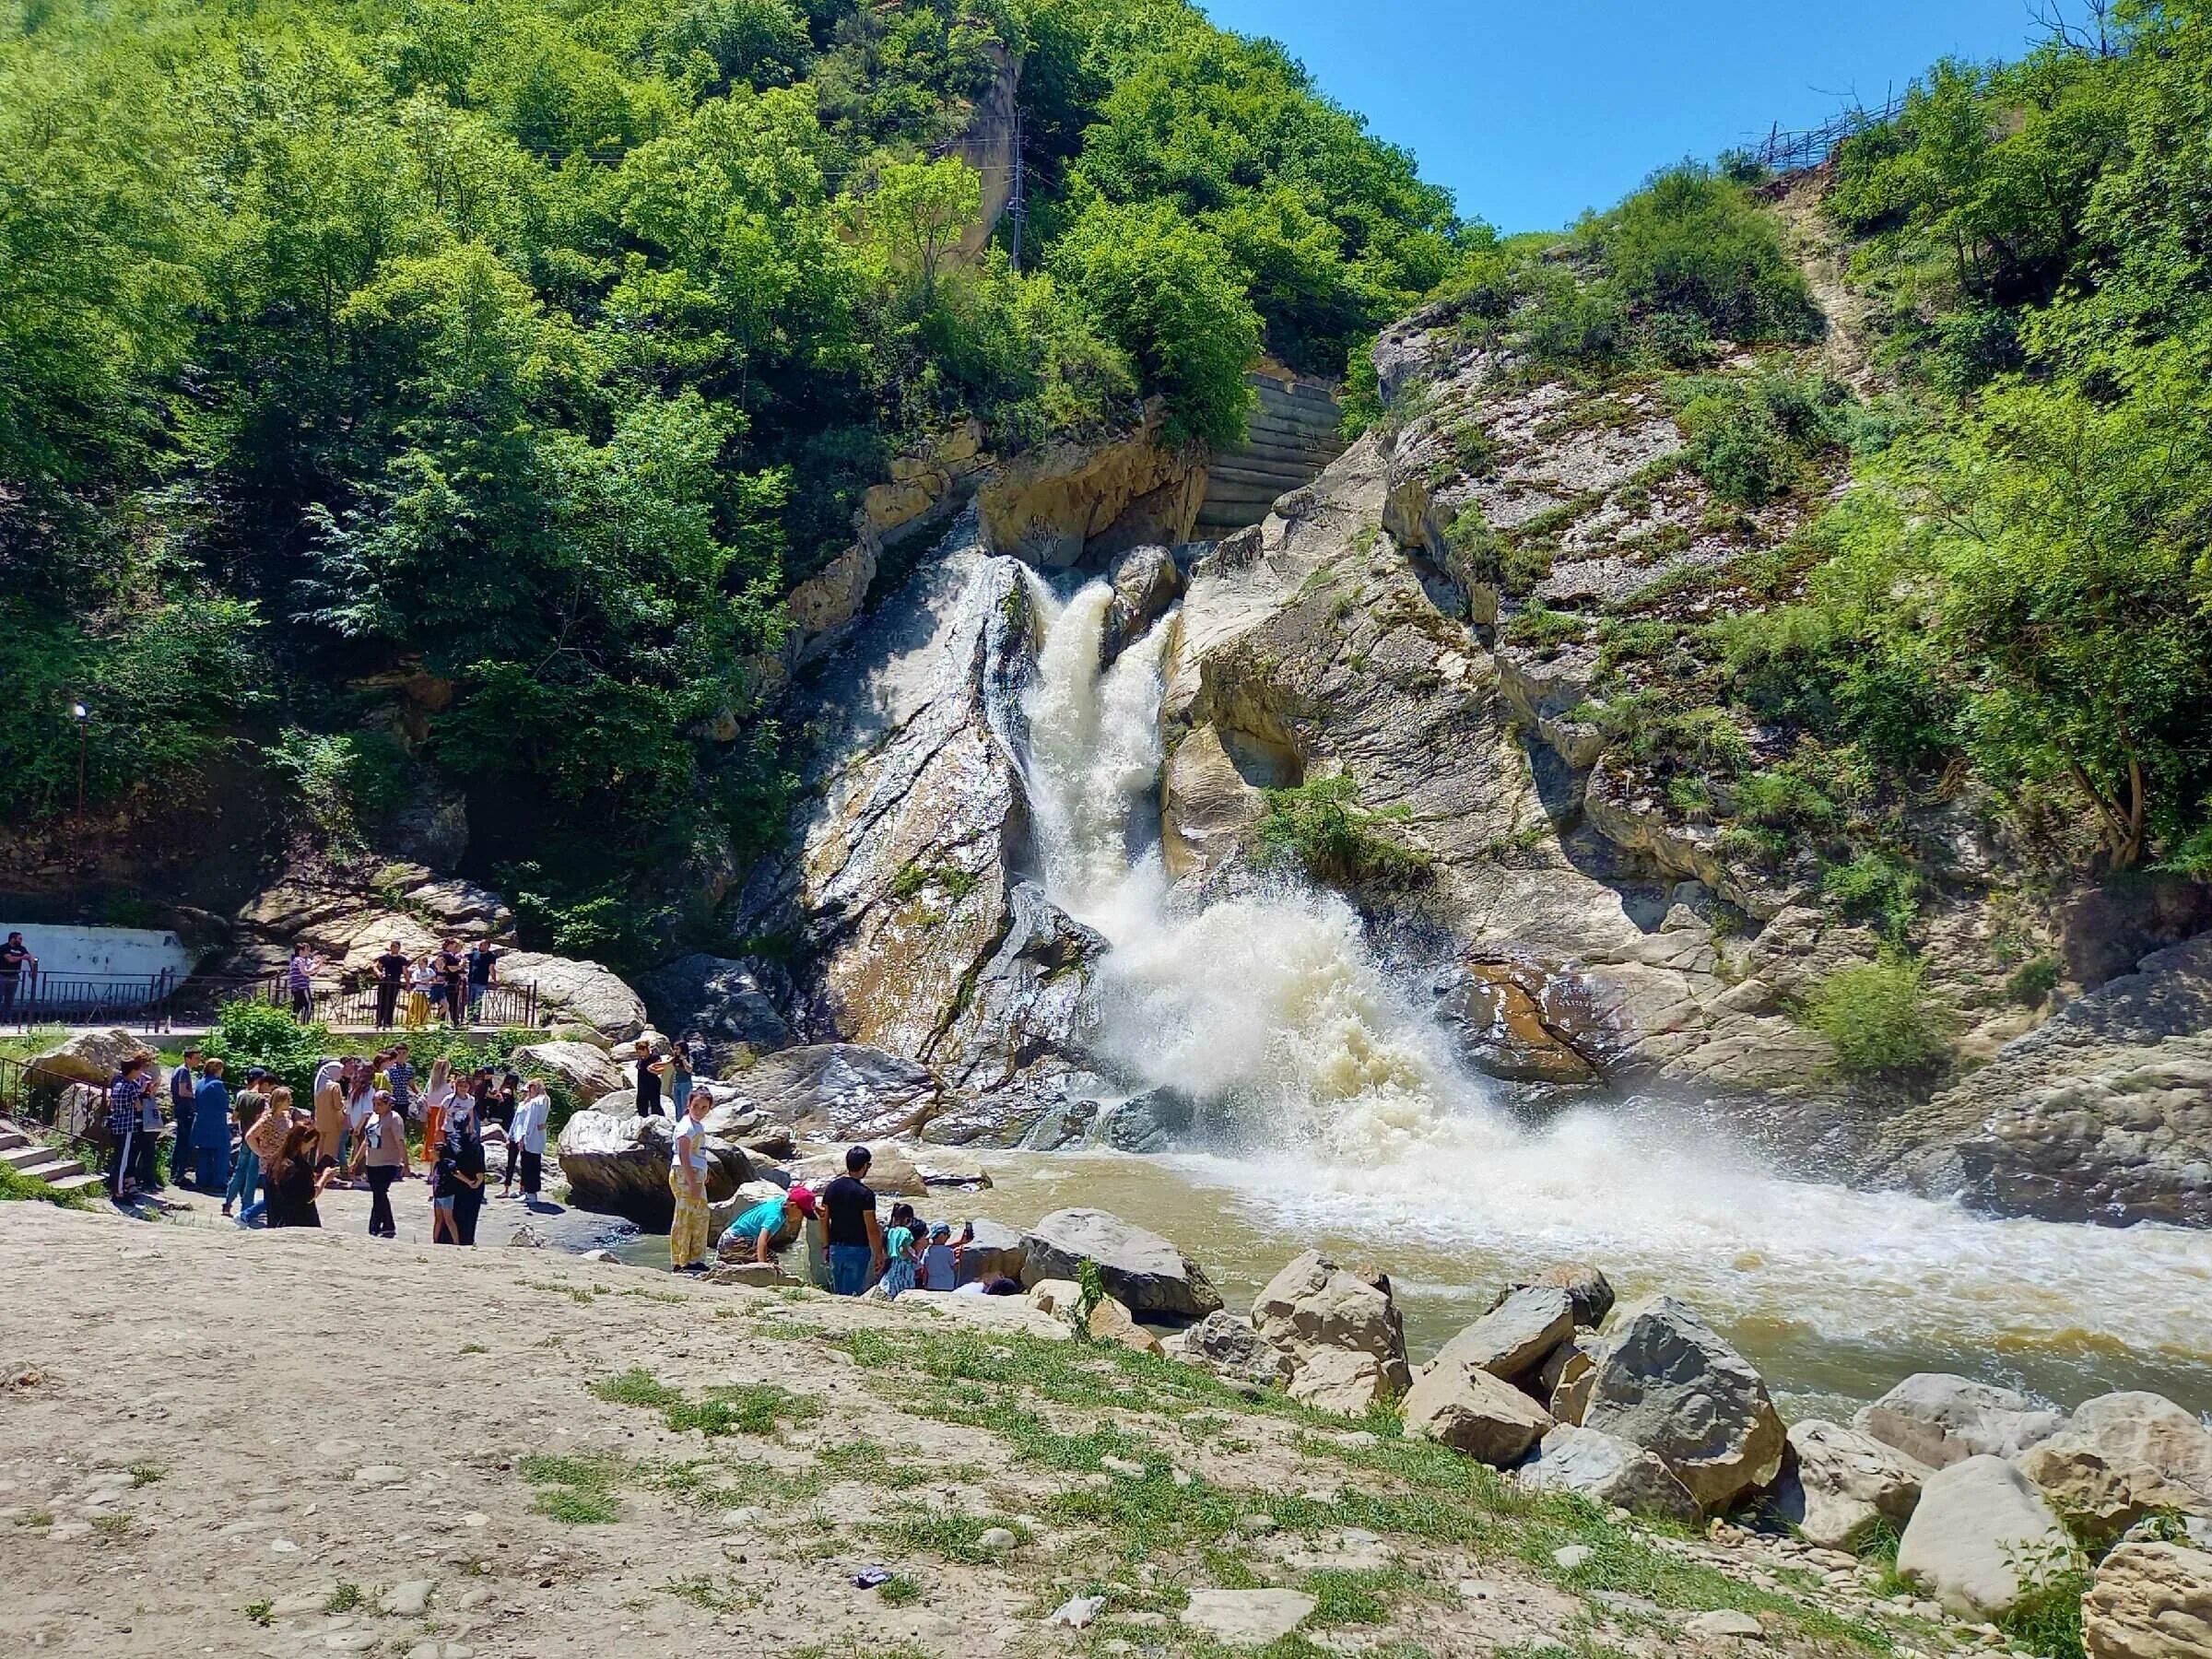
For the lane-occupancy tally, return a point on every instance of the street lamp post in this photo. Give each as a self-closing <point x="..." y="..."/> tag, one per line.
<point x="82" y="714"/>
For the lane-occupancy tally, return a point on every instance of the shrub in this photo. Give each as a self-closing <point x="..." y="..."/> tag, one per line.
<point x="2033" y="980"/>
<point x="258" y="1033"/>
<point x="1876" y="886"/>
<point x="338" y="780"/>
<point x="1876" y="1016"/>
<point x="1321" y="827"/>
<point x="1694" y="244"/>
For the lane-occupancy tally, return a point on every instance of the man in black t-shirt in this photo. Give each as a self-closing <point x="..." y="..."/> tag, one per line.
<point x="851" y="1236"/>
<point x="649" y="1082"/>
<point x="15" y="956"/>
<point x="452" y="967"/>
<point x="483" y="971"/>
<point x="390" y="973"/>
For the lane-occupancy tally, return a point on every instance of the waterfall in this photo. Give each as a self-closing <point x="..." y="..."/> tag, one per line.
<point x="1339" y="1110"/>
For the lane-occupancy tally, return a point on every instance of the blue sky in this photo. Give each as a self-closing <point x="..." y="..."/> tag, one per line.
<point x="1531" y="113"/>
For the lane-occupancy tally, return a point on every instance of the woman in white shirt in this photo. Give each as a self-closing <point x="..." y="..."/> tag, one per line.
<point x="528" y="1134"/>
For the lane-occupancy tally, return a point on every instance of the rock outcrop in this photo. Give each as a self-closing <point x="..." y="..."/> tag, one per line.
<point x="1665" y="1380"/>
<point x="1339" y="1330"/>
<point x="1981" y="1535"/>
<point x="1471" y="1411"/>
<point x="1607" y="1470"/>
<point x="618" y="1164"/>
<point x="1938" y="1419"/>
<point x="723" y="999"/>
<point x="1142" y="1269"/>
<point x="572" y="992"/>
<point x="842" y="1091"/>
<point x="2152" y="1599"/>
<point x="588" y="1070"/>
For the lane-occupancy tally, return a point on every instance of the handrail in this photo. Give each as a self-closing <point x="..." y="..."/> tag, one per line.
<point x="151" y="1003"/>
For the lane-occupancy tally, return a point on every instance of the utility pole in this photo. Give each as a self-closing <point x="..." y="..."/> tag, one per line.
<point x="1019" y="208"/>
<point x="83" y="716"/>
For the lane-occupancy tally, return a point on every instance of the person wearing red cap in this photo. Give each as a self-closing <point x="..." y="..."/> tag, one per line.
<point x="774" y="1224"/>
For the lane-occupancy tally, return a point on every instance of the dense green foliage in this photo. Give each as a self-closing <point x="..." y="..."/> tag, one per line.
<point x="540" y="343"/>
<point x="1877" y="1015"/>
<point x="1320" y="829"/>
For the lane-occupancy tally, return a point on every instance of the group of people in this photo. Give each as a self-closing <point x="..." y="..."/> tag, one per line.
<point x="271" y="1158"/>
<point x="442" y="987"/>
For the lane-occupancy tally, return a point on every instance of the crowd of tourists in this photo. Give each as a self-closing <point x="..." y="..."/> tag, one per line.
<point x="271" y="1156"/>
<point x="445" y="986"/>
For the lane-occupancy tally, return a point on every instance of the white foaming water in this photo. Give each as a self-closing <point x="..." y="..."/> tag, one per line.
<point x="1348" y="1117"/>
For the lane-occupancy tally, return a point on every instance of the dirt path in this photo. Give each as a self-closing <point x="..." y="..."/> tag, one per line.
<point x="1814" y="246"/>
<point x="300" y="1443"/>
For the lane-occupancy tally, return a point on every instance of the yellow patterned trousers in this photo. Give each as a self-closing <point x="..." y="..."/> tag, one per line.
<point x="687" y="1232"/>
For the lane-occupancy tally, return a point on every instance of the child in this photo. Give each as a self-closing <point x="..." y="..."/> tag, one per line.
<point x="941" y="1261"/>
<point x="903" y="1244"/>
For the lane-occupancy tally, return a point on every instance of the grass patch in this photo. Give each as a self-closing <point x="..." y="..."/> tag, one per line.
<point x="897" y="1591"/>
<point x="917" y="1529"/>
<point x="474" y="1347"/>
<point x="574" y="1506"/>
<point x="37" y="1518"/>
<point x="262" y="1612"/>
<point x="636" y="1386"/>
<point x="344" y="1598"/>
<point x="113" y="1526"/>
<point x="146" y="1474"/>
<point x="577" y="1492"/>
<point x="17" y="1187"/>
<point x="1320" y="827"/>
<point x="738" y="1408"/>
<point x="1347" y="1596"/>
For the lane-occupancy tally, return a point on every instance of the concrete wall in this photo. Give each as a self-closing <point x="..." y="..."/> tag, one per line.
<point x="101" y="952"/>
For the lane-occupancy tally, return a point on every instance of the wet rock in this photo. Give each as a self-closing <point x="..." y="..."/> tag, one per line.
<point x="845" y="1091"/>
<point x="1977" y="1535"/>
<point x="1145" y="581"/>
<point x="1230" y="1348"/>
<point x="1939" y="1420"/>
<point x="1248" y="1617"/>
<point x="1844" y="1483"/>
<point x="1607" y="1470"/>
<point x="721" y="998"/>
<point x="588" y="1070"/>
<point x="1340" y="1330"/>
<point x="1513" y="1339"/>
<point x="1587" y="1289"/>
<point x="1666" y="1381"/>
<point x="1207" y="805"/>
<point x="2150" y="1600"/>
<point x="1142" y="1269"/>
<point x="1515" y="1021"/>
<point x="1149" y="1123"/>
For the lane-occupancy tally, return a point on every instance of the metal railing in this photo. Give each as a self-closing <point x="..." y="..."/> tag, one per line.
<point x="141" y="1002"/>
<point x="39" y="1100"/>
<point x="340" y="1004"/>
<point x="1788" y="151"/>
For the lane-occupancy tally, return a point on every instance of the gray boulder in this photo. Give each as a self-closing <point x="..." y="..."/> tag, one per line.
<point x="1514" y="1338"/>
<point x="995" y="1251"/>
<point x="589" y="1073"/>
<point x="842" y="1091"/>
<point x="1471" y="1411"/>
<point x="1938" y="1419"/>
<point x="1607" y="1470"/>
<point x="1140" y="1269"/>
<point x="1981" y="1537"/>
<point x="1340" y="1330"/>
<point x="1665" y="1380"/>
<point x="1150" y="1122"/>
<point x="83" y="1057"/>
<point x="1227" y="1345"/>
<point x="573" y="992"/>
<point x="2124" y="1456"/>
<point x="1841" y="1485"/>
<point x="618" y="1164"/>
<point x="1587" y="1289"/>
<point x="721" y="998"/>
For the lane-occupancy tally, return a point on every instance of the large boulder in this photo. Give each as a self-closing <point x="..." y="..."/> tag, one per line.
<point x="721" y="998"/>
<point x="1340" y="1330"/>
<point x="1588" y="1289"/>
<point x="1841" y="1485"/>
<point x="1514" y="1338"/>
<point x="1142" y="1269"/>
<point x="2152" y="1599"/>
<point x="891" y="1172"/>
<point x="1607" y="1470"/>
<point x="1938" y="1419"/>
<point x="1981" y="1537"/>
<point x="995" y="1251"/>
<point x="1145" y="581"/>
<point x="1666" y="1381"/>
<point x="579" y="992"/>
<point x="588" y="1070"/>
<point x="618" y="1164"/>
<point x="83" y="1057"/>
<point x="1471" y="1411"/>
<point x="1230" y="1348"/>
<point x="2124" y="1456"/>
<point x="843" y="1091"/>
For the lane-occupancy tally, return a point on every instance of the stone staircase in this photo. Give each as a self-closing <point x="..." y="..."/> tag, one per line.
<point x="28" y="1157"/>
<point x="1294" y="434"/>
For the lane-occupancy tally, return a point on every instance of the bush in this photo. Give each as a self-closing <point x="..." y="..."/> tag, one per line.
<point x="1876" y="886"/>
<point x="258" y="1033"/>
<point x="1750" y="438"/>
<point x="1321" y="827"/>
<point x="1876" y="1016"/>
<point x="339" y="780"/>
<point x="1694" y="244"/>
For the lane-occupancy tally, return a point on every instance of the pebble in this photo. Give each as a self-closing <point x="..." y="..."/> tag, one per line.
<point x="1256" y="1525"/>
<point x="292" y="1606"/>
<point x="1569" y="1556"/>
<point x="477" y="1598"/>
<point x="63" y="1530"/>
<point x="1077" y="1612"/>
<point x="350" y="1642"/>
<point x="1722" y="1621"/>
<point x="284" y="1547"/>
<point x="997" y="1537"/>
<point x="265" y="1506"/>
<point x="332" y="1450"/>
<point x="476" y="1518"/>
<point x="1359" y="1535"/>
<point x="749" y="1516"/>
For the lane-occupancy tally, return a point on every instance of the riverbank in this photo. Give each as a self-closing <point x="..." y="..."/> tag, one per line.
<point x="292" y="1444"/>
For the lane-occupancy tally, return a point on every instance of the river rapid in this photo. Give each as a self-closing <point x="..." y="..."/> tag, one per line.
<point x="1336" y="1117"/>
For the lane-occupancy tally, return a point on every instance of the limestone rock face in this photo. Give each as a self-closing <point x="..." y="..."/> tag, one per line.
<point x="576" y="991"/>
<point x="1057" y="502"/>
<point x="1939" y="1420"/>
<point x="845" y="1091"/>
<point x="1207" y="806"/>
<point x="590" y="1072"/>
<point x="1977" y="1535"/>
<point x="2104" y="1112"/>
<point x="1608" y="1470"/>
<point x="1666" y="1381"/>
<point x="618" y="1164"/>
<point x="1339" y="1329"/>
<point x="721" y="998"/>
<point x="2151" y="1600"/>
<point x="1230" y="1348"/>
<point x="2123" y="1457"/>
<point x="912" y="934"/>
<point x="1845" y="1483"/>
<point x="1140" y="1268"/>
<point x="1471" y="1411"/>
<point x="1513" y="1339"/>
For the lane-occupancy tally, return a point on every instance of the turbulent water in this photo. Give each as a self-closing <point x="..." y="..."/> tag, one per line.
<point x="1342" y="1116"/>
